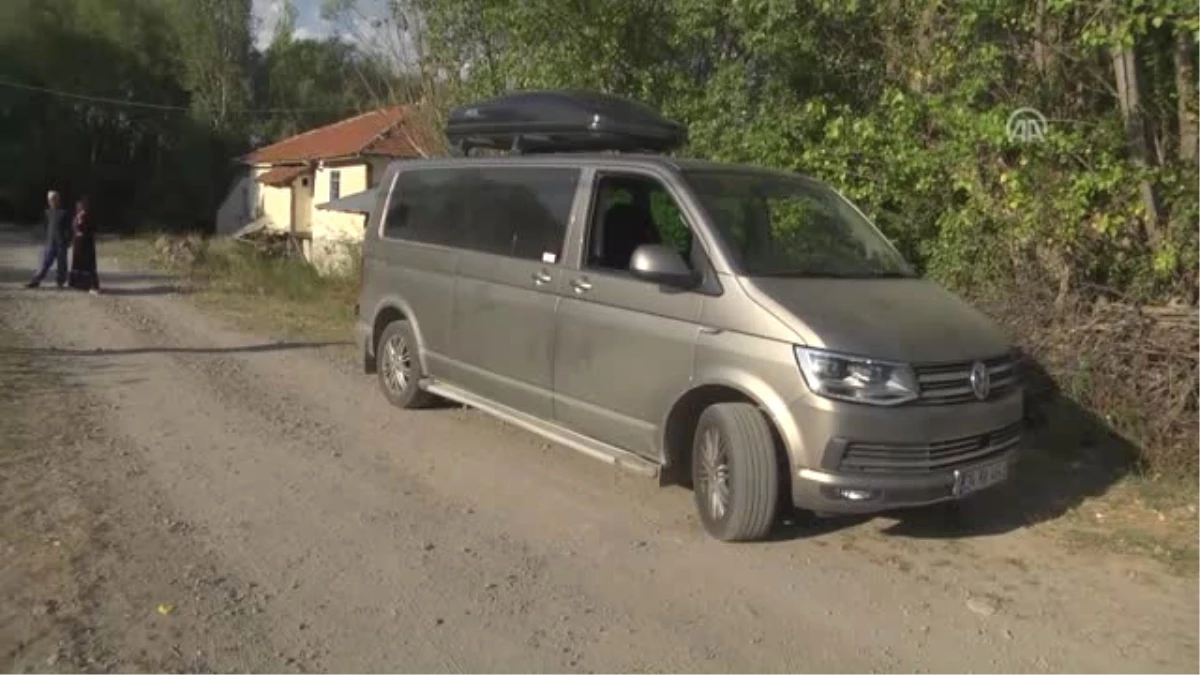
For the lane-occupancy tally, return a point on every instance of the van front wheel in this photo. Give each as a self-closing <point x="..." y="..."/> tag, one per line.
<point x="735" y="477"/>
<point x="398" y="367"/>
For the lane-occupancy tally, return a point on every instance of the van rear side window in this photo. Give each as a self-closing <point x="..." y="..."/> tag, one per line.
<point x="424" y="208"/>
<point x="519" y="212"/>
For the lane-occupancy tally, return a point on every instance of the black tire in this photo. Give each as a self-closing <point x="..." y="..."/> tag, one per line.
<point x="746" y="450"/>
<point x="400" y="381"/>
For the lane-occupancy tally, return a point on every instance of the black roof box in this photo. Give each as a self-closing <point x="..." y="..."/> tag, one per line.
<point x="562" y="121"/>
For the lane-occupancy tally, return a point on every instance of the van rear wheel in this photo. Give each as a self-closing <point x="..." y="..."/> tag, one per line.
<point x="399" y="369"/>
<point x="735" y="478"/>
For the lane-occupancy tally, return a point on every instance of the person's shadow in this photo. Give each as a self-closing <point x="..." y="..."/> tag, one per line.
<point x="14" y="275"/>
<point x="54" y="352"/>
<point x="123" y="283"/>
<point x="145" y="291"/>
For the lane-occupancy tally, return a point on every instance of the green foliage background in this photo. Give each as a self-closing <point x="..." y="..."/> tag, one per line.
<point x="210" y="96"/>
<point x="902" y="105"/>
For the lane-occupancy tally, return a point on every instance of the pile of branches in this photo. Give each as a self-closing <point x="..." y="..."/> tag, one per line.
<point x="179" y="251"/>
<point x="1131" y="369"/>
<point x="272" y="244"/>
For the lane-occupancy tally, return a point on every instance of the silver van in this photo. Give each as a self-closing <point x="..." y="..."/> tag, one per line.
<point x="747" y="331"/>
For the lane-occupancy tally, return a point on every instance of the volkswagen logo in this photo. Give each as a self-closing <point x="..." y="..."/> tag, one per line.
<point x="981" y="383"/>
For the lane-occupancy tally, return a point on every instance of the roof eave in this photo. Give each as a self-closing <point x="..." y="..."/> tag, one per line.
<point x="392" y="155"/>
<point x="306" y="160"/>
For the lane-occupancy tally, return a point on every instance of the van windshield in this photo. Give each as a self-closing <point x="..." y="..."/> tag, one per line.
<point x="776" y="225"/>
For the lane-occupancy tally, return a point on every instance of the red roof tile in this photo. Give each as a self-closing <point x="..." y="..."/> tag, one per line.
<point x="386" y="131"/>
<point x="281" y="175"/>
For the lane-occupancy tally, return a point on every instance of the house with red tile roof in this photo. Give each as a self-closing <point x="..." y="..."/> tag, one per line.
<point x="290" y="184"/>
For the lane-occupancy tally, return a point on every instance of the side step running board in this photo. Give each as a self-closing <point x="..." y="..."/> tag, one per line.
<point x="592" y="448"/>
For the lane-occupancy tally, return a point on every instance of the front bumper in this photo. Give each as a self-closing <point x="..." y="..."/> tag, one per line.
<point x="860" y="459"/>
<point x="826" y="492"/>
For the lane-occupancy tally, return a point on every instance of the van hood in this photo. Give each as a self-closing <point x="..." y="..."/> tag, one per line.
<point x="905" y="320"/>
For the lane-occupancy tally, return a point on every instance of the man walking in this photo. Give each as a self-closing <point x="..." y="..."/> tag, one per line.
<point x="58" y="239"/>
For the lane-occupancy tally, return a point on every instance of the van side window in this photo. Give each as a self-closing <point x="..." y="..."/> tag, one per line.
<point x="425" y="207"/>
<point x="629" y="211"/>
<point x="520" y="212"/>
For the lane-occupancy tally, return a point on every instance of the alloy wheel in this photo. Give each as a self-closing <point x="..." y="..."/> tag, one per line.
<point x="397" y="364"/>
<point x="714" y="473"/>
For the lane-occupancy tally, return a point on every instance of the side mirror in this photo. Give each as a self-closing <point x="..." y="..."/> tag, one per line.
<point x="661" y="264"/>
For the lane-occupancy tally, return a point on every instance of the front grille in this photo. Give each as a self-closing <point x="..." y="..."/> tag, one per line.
<point x="949" y="383"/>
<point x="928" y="457"/>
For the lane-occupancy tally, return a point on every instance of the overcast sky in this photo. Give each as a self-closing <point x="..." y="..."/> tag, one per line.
<point x="309" y="23"/>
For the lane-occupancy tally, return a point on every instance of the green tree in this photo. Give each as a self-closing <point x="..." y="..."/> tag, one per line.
<point x="146" y="103"/>
<point x="902" y="105"/>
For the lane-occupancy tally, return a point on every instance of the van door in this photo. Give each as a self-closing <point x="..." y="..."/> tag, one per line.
<point x="509" y="277"/>
<point x="624" y="346"/>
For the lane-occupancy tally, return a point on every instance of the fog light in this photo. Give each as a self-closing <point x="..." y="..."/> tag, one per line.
<point x="856" y="495"/>
<point x="850" y="494"/>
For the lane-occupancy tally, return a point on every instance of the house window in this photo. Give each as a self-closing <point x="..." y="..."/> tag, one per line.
<point x="335" y="185"/>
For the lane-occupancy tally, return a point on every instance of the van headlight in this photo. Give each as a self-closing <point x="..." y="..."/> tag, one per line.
<point x="857" y="379"/>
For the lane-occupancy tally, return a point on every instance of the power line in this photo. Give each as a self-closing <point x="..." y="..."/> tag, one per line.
<point x="158" y="106"/>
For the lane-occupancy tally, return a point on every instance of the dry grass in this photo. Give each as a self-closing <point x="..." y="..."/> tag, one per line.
<point x="271" y="293"/>
<point x="1141" y="517"/>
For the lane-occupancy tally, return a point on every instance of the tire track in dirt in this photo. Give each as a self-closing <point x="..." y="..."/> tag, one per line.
<point x="91" y="547"/>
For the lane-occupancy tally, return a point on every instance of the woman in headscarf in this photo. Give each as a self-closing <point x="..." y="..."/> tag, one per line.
<point x="83" y="249"/>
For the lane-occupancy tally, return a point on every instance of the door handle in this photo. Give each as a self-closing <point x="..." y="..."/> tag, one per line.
<point x="540" y="278"/>
<point x="581" y="285"/>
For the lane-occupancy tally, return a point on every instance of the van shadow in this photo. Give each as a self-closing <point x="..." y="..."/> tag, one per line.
<point x="1069" y="455"/>
<point x="145" y="291"/>
<point x="35" y="376"/>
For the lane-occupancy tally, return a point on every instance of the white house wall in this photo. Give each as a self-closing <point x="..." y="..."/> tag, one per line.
<point x="274" y="202"/>
<point x="302" y="192"/>
<point x="337" y="239"/>
<point x="353" y="179"/>
<point x="337" y="236"/>
<point x="379" y="165"/>
<point x="240" y="205"/>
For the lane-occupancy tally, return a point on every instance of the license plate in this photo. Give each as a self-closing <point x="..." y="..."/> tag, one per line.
<point x="977" y="478"/>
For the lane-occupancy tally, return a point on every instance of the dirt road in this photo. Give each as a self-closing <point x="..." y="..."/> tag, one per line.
<point x="283" y="517"/>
